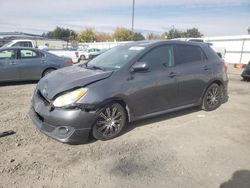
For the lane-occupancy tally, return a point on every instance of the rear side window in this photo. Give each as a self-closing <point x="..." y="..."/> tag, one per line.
<point x="188" y="53"/>
<point x="159" y="57"/>
<point x="211" y="54"/>
<point x="26" y="54"/>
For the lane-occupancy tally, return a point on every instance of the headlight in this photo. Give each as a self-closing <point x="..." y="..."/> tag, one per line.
<point x="70" y="98"/>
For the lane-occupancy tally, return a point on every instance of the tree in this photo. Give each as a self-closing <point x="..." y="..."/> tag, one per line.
<point x="61" y="33"/>
<point x="103" y="37"/>
<point x="87" y="35"/>
<point x="173" y="33"/>
<point x="193" y="33"/>
<point x="152" y="36"/>
<point x="122" y="34"/>
<point x="138" y="36"/>
<point x="189" y="33"/>
<point x="248" y="30"/>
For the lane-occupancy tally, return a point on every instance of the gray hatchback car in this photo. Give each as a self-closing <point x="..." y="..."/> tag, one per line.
<point x="127" y="83"/>
<point x="21" y="64"/>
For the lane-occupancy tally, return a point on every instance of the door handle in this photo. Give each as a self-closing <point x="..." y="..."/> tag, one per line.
<point x="205" y="68"/>
<point x="172" y="74"/>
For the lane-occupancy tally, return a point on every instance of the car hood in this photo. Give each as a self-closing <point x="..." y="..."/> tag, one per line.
<point x="69" y="78"/>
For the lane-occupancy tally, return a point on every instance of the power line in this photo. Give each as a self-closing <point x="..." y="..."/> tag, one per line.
<point x="133" y="15"/>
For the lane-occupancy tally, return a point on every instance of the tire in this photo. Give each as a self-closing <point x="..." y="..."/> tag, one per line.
<point x="110" y="122"/>
<point x="212" y="98"/>
<point x="47" y="71"/>
<point x="82" y="57"/>
<point x="246" y="79"/>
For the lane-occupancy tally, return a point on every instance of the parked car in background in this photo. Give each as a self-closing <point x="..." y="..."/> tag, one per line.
<point x="246" y="72"/>
<point x="70" y="53"/>
<point x="92" y="56"/>
<point x="127" y="83"/>
<point x="21" y="64"/>
<point x="37" y="43"/>
<point x="85" y="54"/>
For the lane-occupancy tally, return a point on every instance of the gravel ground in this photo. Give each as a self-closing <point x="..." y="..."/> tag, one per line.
<point x="190" y="148"/>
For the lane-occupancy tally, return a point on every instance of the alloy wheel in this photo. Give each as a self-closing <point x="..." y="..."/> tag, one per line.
<point x="110" y="122"/>
<point x="213" y="97"/>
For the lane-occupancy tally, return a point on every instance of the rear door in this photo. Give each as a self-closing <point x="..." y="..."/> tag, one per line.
<point x="8" y="65"/>
<point x="194" y="72"/>
<point x="31" y="64"/>
<point x="156" y="89"/>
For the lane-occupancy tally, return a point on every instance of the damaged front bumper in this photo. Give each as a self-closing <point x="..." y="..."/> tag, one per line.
<point x="65" y="125"/>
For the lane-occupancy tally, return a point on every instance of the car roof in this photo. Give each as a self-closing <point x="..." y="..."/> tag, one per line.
<point x="148" y="43"/>
<point x="18" y="48"/>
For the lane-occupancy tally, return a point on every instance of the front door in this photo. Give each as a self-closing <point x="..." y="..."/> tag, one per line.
<point x="156" y="89"/>
<point x="8" y="65"/>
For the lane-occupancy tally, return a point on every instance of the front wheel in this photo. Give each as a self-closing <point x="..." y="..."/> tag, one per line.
<point x="110" y="122"/>
<point x="212" y="98"/>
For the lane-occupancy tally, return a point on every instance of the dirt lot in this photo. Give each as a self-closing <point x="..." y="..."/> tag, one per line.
<point x="191" y="148"/>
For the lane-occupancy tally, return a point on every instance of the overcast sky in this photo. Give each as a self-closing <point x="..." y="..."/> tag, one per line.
<point x="211" y="17"/>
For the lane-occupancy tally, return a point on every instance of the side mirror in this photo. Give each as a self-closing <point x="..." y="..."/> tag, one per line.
<point x="139" y="67"/>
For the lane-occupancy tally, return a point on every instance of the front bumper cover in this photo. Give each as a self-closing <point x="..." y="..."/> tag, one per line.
<point x="64" y="125"/>
<point x="65" y="134"/>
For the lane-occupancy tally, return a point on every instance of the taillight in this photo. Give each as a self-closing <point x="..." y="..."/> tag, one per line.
<point x="225" y="66"/>
<point x="77" y="54"/>
<point x="70" y="62"/>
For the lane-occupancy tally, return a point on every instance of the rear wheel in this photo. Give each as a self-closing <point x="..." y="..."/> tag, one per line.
<point x="110" y="122"/>
<point x="246" y="79"/>
<point x="47" y="71"/>
<point x="212" y="98"/>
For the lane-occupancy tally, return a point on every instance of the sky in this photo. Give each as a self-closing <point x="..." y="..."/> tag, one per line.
<point x="211" y="17"/>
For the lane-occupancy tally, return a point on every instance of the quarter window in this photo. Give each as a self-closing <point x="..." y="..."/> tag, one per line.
<point x="159" y="57"/>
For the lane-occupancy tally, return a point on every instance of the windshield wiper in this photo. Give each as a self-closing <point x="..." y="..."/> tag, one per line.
<point x="95" y="67"/>
<point x="92" y="67"/>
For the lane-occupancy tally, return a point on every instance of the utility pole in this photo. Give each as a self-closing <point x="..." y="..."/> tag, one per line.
<point x="133" y="16"/>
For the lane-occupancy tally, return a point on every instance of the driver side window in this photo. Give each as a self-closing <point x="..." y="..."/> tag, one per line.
<point x="8" y="54"/>
<point x="159" y="57"/>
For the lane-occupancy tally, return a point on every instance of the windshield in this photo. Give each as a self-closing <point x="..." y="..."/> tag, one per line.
<point x="6" y="45"/>
<point x="116" y="57"/>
